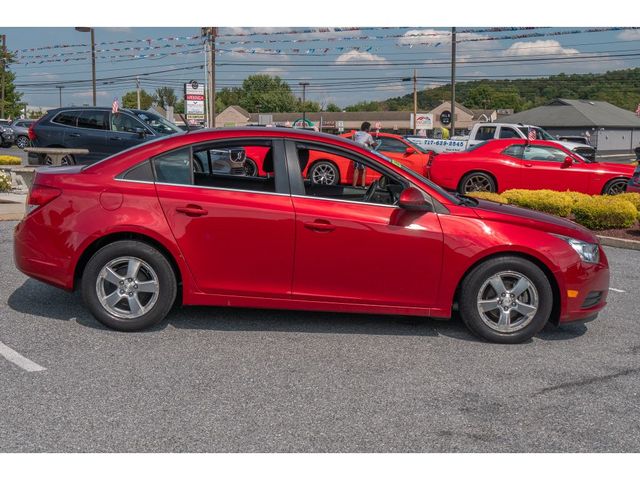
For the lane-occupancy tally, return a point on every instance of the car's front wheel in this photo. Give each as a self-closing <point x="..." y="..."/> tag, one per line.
<point x="22" y="142"/>
<point x="477" y="182"/>
<point x="129" y="285"/>
<point x="615" y="187"/>
<point x="506" y="300"/>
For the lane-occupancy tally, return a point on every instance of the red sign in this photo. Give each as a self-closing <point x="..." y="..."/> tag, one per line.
<point x="196" y="97"/>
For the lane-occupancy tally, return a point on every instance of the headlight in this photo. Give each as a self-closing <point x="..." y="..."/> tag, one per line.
<point x="588" y="252"/>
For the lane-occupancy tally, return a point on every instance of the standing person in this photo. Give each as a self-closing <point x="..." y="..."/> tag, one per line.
<point x="362" y="137"/>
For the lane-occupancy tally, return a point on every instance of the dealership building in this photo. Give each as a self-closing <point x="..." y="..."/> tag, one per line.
<point x="610" y="129"/>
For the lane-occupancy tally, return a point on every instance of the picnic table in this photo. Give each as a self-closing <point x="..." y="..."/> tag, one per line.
<point x="57" y="154"/>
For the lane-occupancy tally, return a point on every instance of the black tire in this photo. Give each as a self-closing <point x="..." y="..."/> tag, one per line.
<point x="324" y="173"/>
<point x="164" y="276"/>
<point x="66" y="160"/>
<point x="22" y="142"/>
<point x="615" y="186"/>
<point x="5" y="145"/>
<point x="471" y="294"/>
<point x="479" y="179"/>
<point x="250" y="168"/>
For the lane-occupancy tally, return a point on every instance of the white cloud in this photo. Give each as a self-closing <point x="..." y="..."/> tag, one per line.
<point x="356" y="56"/>
<point x="629" y="35"/>
<point x="274" y="71"/>
<point x="90" y="94"/>
<point x="538" y="47"/>
<point x="432" y="36"/>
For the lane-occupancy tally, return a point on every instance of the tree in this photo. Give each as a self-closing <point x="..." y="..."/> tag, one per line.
<point x="266" y="94"/>
<point x="179" y="107"/>
<point x="166" y="97"/>
<point x="130" y="100"/>
<point x="13" y="107"/>
<point x="332" y="107"/>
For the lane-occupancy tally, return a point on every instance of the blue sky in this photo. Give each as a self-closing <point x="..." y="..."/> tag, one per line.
<point x="350" y="71"/>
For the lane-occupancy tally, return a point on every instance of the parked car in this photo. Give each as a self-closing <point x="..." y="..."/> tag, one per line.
<point x="634" y="181"/>
<point x="20" y="128"/>
<point x="7" y="136"/>
<point x="143" y="228"/>
<point x="499" y="165"/>
<point x="97" y="129"/>
<point x="574" y="139"/>
<point x="482" y="132"/>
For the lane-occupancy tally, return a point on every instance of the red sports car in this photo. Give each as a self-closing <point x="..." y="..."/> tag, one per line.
<point x="499" y="165"/>
<point x="145" y="228"/>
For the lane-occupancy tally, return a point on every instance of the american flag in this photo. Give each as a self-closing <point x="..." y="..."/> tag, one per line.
<point x="114" y="106"/>
<point x="532" y="134"/>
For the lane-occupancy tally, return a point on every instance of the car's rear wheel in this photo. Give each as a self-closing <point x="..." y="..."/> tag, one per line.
<point x="129" y="285"/>
<point x="324" y="173"/>
<point x="250" y="168"/>
<point x="615" y="187"/>
<point x="506" y="300"/>
<point x="477" y="182"/>
<point x="22" y="142"/>
<point x="66" y="160"/>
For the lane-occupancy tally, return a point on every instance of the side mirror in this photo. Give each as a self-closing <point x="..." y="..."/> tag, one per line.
<point x="141" y="132"/>
<point x="410" y="151"/>
<point x="414" y="200"/>
<point x="568" y="161"/>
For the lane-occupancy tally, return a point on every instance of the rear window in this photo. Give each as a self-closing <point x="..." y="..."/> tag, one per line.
<point x="94" y="119"/>
<point x="485" y="133"/>
<point x="66" y="118"/>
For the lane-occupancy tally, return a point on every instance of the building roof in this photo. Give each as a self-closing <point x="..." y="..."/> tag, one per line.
<point x="333" y="116"/>
<point x="576" y="113"/>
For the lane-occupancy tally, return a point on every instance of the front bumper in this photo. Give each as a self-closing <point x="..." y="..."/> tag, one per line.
<point x="8" y="137"/>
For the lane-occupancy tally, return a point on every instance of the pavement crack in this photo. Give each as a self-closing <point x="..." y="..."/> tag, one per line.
<point x="589" y="381"/>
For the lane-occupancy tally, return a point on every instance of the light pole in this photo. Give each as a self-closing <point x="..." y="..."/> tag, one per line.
<point x="304" y="98"/>
<point x="60" y="87"/>
<point x="415" y="98"/>
<point x="93" y="57"/>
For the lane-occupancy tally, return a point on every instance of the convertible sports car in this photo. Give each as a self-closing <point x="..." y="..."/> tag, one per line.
<point x="147" y="227"/>
<point x="499" y="165"/>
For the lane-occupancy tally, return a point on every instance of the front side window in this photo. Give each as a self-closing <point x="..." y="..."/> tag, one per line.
<point x="485" y="133"/>
<point x="544" y="154"/>
<point x="387" y="144"/>
<point x="93" y="119"/>
<point x="158" y="124"/>
<point x="333" y="175"/>
<point x="121" y="122"/>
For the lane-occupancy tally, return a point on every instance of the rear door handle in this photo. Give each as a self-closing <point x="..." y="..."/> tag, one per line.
<point x="115" y="138"/>
<point x="528" y="164"/>
<point x="320" y="226"/>
<point x="192" y="211"/>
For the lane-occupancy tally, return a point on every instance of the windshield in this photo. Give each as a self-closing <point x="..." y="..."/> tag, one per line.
<point x="419" y="177"/>
<point x="158" y="124"/>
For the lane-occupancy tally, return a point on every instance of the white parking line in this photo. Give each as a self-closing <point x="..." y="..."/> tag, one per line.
<point x="19" y="360"/>
<point x="617" y="290"/>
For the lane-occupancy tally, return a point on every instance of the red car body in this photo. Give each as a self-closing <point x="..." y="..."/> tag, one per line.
<point x="366" y="258"/>
<point x="449" y="170"/>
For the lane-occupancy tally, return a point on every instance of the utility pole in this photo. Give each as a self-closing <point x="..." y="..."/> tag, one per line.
<point x="93" y="57"/>
<point x="4" y="61"/>
<point x="138" y="90"/>
<point x="60" y="87"/>
<point x="211" y="32"/>
<point x="415" y="102"/>
<point x="304" y="99"/>
<point x="453" y="81"/>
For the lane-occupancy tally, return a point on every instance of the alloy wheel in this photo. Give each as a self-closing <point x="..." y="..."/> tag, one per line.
<point x="127" y="287"/>
<point x="22" y="142"/>
<point x="617" y="187"/>
<point x="507" y="302"/>
<point x="477" y="183"/>
<point x="324" y="174"/>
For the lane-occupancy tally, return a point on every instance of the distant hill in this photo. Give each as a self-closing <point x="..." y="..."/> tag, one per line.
<point x="619" y="87"/>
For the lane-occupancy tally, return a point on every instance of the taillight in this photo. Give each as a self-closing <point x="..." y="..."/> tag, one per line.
<point x="40" y="195"/>
<point x="31" y="133"/>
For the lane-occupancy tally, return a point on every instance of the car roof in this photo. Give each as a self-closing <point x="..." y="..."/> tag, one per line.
<point x="506" y="142"/>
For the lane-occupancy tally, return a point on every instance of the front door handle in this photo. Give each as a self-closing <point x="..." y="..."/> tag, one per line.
<point x="192" y="211"/>
<point x="74" y="135"/>
<point x="115" y="138"/>
<point x="528" y="164"/>
<point x="320" y="226"/>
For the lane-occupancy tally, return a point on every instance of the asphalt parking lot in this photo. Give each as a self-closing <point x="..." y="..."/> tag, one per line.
<point x="223" y="380"/>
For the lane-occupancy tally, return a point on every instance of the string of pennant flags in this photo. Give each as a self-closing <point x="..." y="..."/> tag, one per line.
<point x="134" y="52"/>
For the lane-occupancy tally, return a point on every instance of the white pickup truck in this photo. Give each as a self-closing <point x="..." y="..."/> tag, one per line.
<point x="481" y="132"/>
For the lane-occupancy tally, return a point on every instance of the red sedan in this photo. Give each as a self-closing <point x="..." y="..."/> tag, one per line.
<point x="500" y="165"/>
<point x="145" y="228"/>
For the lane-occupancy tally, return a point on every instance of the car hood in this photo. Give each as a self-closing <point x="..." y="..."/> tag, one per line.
<point x="616" y="168"/>
<point x="572" y="145"/>
<point x="493" y="211"/>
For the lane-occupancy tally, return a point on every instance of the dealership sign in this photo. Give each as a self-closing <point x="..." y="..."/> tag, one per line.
<point x="424" y="121"/>
<point x="194" y="99"/>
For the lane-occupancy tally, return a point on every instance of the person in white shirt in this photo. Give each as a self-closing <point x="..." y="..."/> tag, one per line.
<point x="362" y="137"/>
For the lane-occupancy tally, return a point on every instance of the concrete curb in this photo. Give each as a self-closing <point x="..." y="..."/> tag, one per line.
<point x="619" y="242"/>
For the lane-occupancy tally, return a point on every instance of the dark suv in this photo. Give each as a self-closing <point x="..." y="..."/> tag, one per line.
<point x="97" y="129"/>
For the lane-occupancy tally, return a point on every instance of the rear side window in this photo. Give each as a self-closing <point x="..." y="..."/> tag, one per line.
<point x="94" y="119"/>
<point x="141" y="173"/>
<point x="66" y="118"/>
<point x="174" y="167"/>
<point x="506" y="132"/>
<point x="513" y="151"/>
<point x="485" y="133"/>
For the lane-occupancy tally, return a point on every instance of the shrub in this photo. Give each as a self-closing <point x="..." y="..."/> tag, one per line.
<point x="548" y="201"/>
<point x="493" y="197"/>
<point x="5" y="182"/>
<point x="603" y="212"/>
<point x="10" y="160"/>
<point x="577" y="196"/>
<point x="632" y="197"/>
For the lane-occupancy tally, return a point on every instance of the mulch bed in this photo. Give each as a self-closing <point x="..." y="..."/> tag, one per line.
<point x="626" y="234"/>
